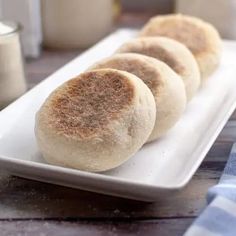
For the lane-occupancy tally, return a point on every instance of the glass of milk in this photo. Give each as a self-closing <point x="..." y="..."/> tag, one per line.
<point x="12" y="76"/>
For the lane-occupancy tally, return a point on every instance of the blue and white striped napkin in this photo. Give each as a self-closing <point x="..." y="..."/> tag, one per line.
<point x="219" y="218"/>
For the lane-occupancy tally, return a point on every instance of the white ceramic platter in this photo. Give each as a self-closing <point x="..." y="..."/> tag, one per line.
<point x="158" y="168"/>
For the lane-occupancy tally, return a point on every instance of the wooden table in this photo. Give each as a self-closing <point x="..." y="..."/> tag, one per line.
<point x="33" y="208"/>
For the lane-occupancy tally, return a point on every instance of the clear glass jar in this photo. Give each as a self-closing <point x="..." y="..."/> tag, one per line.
<point x="12" y="76"/>
<point x="75" y="23"/>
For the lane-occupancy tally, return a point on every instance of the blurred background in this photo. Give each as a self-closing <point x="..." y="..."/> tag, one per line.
<point x="76" y="23"/>
<point x="63" y="24"/>
<point x="53" y="32"/>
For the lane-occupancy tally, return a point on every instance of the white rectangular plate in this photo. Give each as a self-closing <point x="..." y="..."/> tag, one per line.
<point x="158" y="168"/>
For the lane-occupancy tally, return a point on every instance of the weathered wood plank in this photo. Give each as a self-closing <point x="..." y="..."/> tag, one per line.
<point x="171" y="227"/>
<point x="219" y="152"/>
<point x="134" y="20"/>
<point x="49" y="62"/>
<point x="155" y="6"/>
<point x="233" y="117"/>
<point x="228" y="134"/>
<point x="22" y="198"/>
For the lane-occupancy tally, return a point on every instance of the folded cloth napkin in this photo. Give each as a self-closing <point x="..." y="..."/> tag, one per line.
<point x="219" y="217"/>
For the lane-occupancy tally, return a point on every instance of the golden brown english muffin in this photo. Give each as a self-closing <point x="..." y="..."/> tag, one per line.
<point x="173" y="53"/>
<point x="95" y="121"/>
<point x="200" y="37"/>
<point x="166" y="86"/>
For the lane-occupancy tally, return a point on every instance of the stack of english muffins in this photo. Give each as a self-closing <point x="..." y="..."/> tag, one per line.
<point x="101" y="118"/>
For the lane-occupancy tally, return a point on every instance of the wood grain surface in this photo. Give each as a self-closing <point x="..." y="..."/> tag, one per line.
<point x="33" y="208"/>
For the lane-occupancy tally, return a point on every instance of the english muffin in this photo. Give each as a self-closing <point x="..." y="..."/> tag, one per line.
<point x="166" y="86"/>
<point x="173" y="53"/>
<point x="95" y="121"/>
<point x="200" y="37"/>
